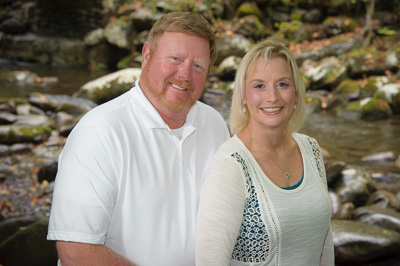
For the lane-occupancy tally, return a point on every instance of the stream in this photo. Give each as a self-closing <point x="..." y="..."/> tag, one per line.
<point x="345" y="140"/>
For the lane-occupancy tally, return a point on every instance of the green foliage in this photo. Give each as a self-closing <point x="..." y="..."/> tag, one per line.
<point x="386" y="31"/>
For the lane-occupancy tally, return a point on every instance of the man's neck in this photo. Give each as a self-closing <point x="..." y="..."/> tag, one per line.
<point x="173" y="119"/>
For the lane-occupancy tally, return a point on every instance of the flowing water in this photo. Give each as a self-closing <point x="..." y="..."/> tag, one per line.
<point x="345" y="140"/>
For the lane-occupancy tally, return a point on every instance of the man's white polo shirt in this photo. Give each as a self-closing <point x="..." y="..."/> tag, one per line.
<point x="125" y="181"/>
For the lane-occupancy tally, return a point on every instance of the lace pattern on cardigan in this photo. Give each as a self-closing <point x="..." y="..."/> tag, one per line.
<point x="252" y="244"/>
<point x="318" y="158"/>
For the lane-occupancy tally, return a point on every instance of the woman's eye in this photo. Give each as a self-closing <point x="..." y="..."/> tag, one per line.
<point x="282" y="85"/>
<point x="259" y="86"/>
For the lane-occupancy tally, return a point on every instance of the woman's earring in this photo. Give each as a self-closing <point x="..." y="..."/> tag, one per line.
<point x="244" y="109"/>
<point x="294" y="107"/>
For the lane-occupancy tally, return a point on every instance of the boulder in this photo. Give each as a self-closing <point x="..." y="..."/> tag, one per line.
<point x="379" y="217"/>
<point x="369" y="109"/>
<point x="345" y="212"/>
<point x="387" y="156"/>
<point x="251" y="27"/>
<point x="11" y="225"/>
<point x="228" y="67"/>
<point x="384" y="199"/>
<point x="56" y="102"/>
<point x="326" y="73"/>
<point x="334" y="171"/>
<point x="48" y="172"/>
<point x="359" y="242"/>
<point x="227" y="45"/>
<point x="390" y="93"/>
<point x="28" y="246"/>
<point x="109" y="86"/>
<point x="23" y="133"/>
<point x="354" y="186"/>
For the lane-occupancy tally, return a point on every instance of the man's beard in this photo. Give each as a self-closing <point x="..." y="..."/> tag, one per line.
<point x="179" y="104"/>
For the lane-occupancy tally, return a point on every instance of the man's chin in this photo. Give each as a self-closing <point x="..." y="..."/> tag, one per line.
<point x="176" y="106"/>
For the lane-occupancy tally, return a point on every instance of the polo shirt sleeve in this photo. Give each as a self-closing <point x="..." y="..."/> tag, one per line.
<point x="85" y="188"/>
<point x="222" y="200"/>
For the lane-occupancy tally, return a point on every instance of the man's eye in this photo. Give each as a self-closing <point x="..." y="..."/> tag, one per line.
<point x="198" y="67"/>
<point x="174" y="59"/>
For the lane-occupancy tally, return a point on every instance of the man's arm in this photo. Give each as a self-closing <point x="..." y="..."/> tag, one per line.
<point x="72" y="253"/>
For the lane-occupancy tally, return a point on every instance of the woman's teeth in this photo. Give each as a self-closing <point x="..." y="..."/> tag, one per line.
<point x="272" y="109"/>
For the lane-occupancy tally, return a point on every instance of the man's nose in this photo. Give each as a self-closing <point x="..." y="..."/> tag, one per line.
<point x="185" y="71"/>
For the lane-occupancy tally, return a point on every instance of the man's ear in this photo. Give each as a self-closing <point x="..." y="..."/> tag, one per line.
<point x="145" y="53"/>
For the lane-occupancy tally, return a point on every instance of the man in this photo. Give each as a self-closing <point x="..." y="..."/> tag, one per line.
<point x="129" y="176"/>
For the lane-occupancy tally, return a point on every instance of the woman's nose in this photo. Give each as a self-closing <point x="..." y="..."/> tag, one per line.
<point x="271" y="95"/>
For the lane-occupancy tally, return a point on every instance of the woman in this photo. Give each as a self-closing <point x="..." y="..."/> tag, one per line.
<point x="264" y="200"/>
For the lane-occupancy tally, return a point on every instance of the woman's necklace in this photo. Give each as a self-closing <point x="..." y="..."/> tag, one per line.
<point x="284" y="146"/>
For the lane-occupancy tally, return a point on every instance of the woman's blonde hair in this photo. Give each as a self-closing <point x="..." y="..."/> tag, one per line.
<point x="183" y="22"/>
<point x="264" y="50"/>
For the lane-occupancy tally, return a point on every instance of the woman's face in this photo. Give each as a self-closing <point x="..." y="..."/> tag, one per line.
<point x="270" y="93"/>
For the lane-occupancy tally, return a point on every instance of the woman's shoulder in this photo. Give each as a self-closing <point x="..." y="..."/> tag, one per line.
<point x="301" y="136"/>
<point x="230" y="146"/>
<point x="305" y="139"/>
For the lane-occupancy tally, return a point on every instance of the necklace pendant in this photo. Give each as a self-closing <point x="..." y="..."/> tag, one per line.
<point x="287" y="174"/>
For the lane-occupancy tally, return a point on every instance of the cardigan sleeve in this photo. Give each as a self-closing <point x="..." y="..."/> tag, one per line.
<point x="220" y="213"/>
<point x="328" y="255"/>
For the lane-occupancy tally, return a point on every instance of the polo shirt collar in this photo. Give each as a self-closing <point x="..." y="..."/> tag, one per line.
<point x="149" y="116"/>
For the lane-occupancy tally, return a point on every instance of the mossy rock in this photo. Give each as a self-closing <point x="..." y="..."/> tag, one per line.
<point x="129" y="61"/>
<point x="354" y="106"/>
<point x="31" y="242"/>
<point x="375" y="109"/>
<point x="13" y="101"/>
<point x="349" y="25"/>
<point x="248" y="8"/>
<point x="109" y="86"/>
<point x="251" y="26"/>
<point x="344" y="24"/>
<point x="349" y="88"/>
<point x="17" y="134"/>
<point x="10" y="226"/>
<point x="289" y="29"/>
<point x="369" y="89"/>
<point x="71" y="108"/>
<point x="336" y="75"/>
<point x="390" y="93"/>
<point x="297" y="14"/>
